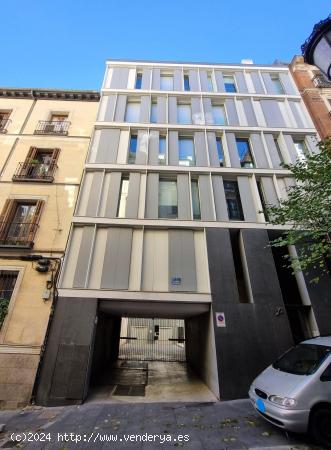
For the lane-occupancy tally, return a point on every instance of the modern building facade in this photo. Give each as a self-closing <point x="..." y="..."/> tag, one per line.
<point x="169" y="224"/>
<point x="316" y="93"/>
<point x="44" y="138"/>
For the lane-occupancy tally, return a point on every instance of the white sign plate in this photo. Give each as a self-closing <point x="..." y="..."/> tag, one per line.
<point x="220" y="319"/>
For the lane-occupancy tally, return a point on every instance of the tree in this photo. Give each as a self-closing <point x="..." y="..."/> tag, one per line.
<point x="307" y="211"/>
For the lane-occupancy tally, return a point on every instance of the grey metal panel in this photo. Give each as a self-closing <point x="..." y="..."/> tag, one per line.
<point x="233" y="151"/>
<point x="91" y="208"/>
<point x="172" y="109"/>
<point x="110" y="108"/>
<point x="194" y="80"/>
<point x="162" y="110"/>
<point x="269" y="191"/>
<point x="116" y="263"/>
<point x="268" y="83"/>
<point x="146" y="79"/>
<point x="257" y="82"/>
<point x="119" y="79"/>
<point x="204" y="80"/>
<point x="156" y="79"/>
<point x="145" y="109"/>
<point x="232" y="112"/>
<point x="120" y="108"/>
<point x="312" y="143"/>
<point x="241" y="82"/>
<point x="290" y="147"/>
<point x="212" y="149"/>
<point x="207" y="107"/>
<point x="173" y="148"/>
<point x="153" y="148"/>
<point x="258" y="150"/>
<point x="273" y="151"/>
<point x="219" y="81"/>
<point x="219" y="197"/>
<point x="206" y="203"/>
<point x="152" y="196"/>
<point x="83" y="257"/>
<point x="200" y="149"/>
<point x="178" y="75"/>
<point x="142" y="147"/>
<point x="272" y="113"/>
<point x="131" y="209"/>
<point x="247" y="202"/>
<point x="196" y="111"/>
<point x="183" y="189"/>
<point x="182" y="261"/>
<point x="108" y="146"/>
<point x="287" y="84"/>
<point x="249" y="112"/>
<point x="113" y="194"/>
<point x="296" y="114"/>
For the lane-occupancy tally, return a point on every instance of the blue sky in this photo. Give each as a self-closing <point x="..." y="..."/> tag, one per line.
<point x="64" y="44"/>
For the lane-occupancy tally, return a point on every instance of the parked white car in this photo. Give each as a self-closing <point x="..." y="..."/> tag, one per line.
<point x="294" y="393"/>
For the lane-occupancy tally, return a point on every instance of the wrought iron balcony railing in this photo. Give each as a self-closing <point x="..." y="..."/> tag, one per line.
<point x="52" y="127"/>
<point x="17" y="234"/>
<point x="35" y="171"/>
<point x="321" y="82"/>
<point x="4" y="125"/>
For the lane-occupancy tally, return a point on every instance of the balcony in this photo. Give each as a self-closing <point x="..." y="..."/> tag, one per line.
<point x="60" y="127"/>
<point x="320" y="82"/>
<point x="35" y="171"/>
<point x="17" y="234"/>
<point x="4" y="125"/>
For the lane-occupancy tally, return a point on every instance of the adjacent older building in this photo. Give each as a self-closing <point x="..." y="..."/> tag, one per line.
<point x="169" y="224"/>
<point x="44" y="138"/>
<point x="315" y="90"/>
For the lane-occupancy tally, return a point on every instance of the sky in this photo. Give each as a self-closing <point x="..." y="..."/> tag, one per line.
<point x="64" y="44"/>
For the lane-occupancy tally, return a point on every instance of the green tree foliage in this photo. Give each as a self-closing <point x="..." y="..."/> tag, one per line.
<point x="308" y="211"/>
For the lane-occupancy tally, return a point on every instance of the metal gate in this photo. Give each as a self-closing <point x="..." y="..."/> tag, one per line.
<point x="152" y="339"/>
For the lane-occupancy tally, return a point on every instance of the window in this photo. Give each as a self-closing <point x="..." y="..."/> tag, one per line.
<point x="168" y="203"/>
<point x="279" y="153"/>
<point x="219" y="147"/>
<point x="219" y="115"/>
<point x="133" y="149"/>
<point x="229" y="83"/>
<point x="154" y="111"/>
<point x="4" y="120"/>
<point x="132" y="112"/>
<point x="162" y="149"/>
<point x="301" y="149"/>
<point x="58" y="124"/>
<point x="195" y="200"/>
<point x="186" y="83"/>
<point x="39" y="165"/>
<point x="263" y="201"/>
<point x="245" y="155"/>
<point x="7" y="284"/>
<point x="167" y="83"/>
<point x="184" y="114"/>
<point x="239" y="267"/>
<point x="186" y="151"/>
<point x="139" y="79"/>
<point x="210" y="83"/>
<point x="277" y="84"/>
<point x="233" y="200"/>
<point x="124" y="190"/>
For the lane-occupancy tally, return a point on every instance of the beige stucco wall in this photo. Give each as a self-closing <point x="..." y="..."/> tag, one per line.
<point x="19" y="112"/>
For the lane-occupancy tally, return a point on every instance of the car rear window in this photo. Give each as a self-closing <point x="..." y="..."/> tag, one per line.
<point x="303" y="359"/>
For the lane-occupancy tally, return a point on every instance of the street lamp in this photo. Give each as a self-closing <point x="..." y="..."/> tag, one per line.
<point x="317" y="48"/>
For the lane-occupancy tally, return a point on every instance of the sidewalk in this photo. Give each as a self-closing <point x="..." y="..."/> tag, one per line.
<point x="194" y="426"/>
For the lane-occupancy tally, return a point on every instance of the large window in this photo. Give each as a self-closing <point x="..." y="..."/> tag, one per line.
<point x="219" y="115"/>
<point x="39" y="165"/>
<point x="132" y="111"/>
<point x="220" y="152"/>
<point x="301" y="149"/>
<point x="168" y="203"/>
<point x="124" y="190"/>
<point x="133" y="149"/>
<point x="162" y="149"/>
<point x="154" y="111"/>
<point x="186" y="151"/>
<point x="186" y="83"/>
<point x="166" y="82"/>
<point x="277" y="84"/>
<point x="245" y="154"/>
<point x="229" y="83"/>
<point x="7" y="284"/>
<point x="139" y="79"/>
<point x="233" y="200"/>
<point x="184" y="114"/>
<point x="195" y="200"/>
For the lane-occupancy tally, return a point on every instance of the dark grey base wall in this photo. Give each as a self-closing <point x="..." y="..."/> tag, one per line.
<point x="65" y="368"/>
<point x="255" y="333"/>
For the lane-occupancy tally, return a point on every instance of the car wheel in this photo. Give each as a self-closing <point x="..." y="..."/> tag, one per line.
<point x="320" y="426"/>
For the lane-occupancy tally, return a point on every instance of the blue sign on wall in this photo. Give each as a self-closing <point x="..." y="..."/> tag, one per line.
<point x="176" y="281"/>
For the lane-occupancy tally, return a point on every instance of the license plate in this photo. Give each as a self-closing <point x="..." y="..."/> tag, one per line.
<point x="260" y="405"/>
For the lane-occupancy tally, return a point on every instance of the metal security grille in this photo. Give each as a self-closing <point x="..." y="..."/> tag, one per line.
<point x="152" y="339"/>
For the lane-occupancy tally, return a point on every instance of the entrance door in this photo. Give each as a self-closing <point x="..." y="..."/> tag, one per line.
<point x="152" y="339"/>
